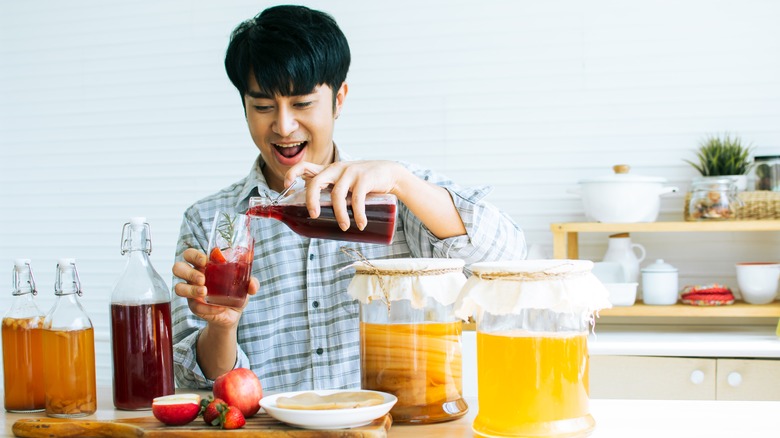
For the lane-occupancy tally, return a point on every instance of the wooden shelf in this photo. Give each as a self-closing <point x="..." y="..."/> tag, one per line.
<point x="566" y="245"/>
<point x="736" y="310"/>
<point x="672" y="227"/>
<point x="566" y="237"/>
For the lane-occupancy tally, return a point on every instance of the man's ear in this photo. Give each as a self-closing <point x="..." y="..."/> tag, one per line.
<point x="341" y="94"/>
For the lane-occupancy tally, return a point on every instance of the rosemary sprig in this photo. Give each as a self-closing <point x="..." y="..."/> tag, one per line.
<point x="227" y="229"/>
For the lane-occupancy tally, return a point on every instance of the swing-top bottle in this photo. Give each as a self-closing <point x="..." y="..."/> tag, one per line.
<point x="69" y="349"/>
<point x="141" y="336"/>
<point x="22" y="344"/>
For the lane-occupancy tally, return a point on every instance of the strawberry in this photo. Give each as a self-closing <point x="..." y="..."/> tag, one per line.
<point x="210" y="410"/>
<point x="216" y="256"/>
<point x="232" y="418"/>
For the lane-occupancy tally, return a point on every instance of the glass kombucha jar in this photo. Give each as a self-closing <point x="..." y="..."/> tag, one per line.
<point x="141" y="337"/>
<point x="410" y="339"/>
<point x="533" y="318"/>
<point x="22" y="344"/>
<point x="69" y="349"/>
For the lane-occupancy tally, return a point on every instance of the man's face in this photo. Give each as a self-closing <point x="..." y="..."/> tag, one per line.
<point x="291" y="129"/>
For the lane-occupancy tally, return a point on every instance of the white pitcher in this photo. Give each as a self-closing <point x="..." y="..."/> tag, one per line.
<point x="621" y="250"/>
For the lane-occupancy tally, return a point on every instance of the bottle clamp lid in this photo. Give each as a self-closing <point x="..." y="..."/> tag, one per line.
<point x="138" y="221"/>
<point x="65" y="265"/>
<point x="19" y="266"/>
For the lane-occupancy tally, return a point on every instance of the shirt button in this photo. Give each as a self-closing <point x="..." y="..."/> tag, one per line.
<point x="320" y="350"/>
<point x="315" y="304"/>
<point x="311" y="256"/>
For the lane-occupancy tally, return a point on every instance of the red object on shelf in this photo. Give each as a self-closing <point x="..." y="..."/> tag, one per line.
<point x="707" y="295"/>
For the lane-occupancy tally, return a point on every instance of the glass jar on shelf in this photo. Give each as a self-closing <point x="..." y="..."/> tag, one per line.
<point x="713" y="198"/>
<point x="766" y="172"/>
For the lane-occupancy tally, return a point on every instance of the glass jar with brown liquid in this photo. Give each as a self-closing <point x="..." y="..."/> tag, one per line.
<point x="410" y="338"/>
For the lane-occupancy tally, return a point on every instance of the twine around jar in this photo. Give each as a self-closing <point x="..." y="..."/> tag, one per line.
<point x="370" y="269"/>
<point x="528" y="276"/>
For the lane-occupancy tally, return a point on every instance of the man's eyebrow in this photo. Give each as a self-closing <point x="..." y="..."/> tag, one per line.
<point x="259" y="94"/>
<point x="264" y="95"/>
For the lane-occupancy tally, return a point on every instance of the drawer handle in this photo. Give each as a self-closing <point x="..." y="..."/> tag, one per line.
<point x="734" y="378"/>
<point x="697" y="377"/>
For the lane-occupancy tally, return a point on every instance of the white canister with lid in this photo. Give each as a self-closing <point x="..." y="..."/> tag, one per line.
<point x="659" y="284"/>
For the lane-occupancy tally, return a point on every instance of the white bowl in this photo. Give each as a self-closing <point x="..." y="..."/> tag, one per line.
<point x="621" y="294"/>
<point x="327" y="418"/>
<point x="758" y="281"/>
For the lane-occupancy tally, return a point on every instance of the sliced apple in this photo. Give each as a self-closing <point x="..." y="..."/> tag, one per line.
<point x="176" y="409"/>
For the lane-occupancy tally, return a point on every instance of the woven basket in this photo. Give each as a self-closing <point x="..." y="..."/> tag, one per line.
<point x="756" y="205"/>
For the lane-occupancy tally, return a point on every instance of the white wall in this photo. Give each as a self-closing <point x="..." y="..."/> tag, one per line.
<point x="114" y="109"/>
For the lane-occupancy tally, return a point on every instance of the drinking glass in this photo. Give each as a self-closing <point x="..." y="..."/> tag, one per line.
<point x="231" y="252"/>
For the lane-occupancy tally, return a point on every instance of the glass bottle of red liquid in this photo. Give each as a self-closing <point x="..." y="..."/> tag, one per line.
<point x="141" y="337"/>
<point x="22" y="345"/>
<point x="290" y="208"/>
<point x="68" y="349"/>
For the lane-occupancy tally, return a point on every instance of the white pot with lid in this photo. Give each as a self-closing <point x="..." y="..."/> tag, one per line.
<point x="660" y="284"/>
<point x="622" y="197"/>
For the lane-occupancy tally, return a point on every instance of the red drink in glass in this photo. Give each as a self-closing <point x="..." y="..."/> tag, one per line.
<point x="379" y="229"/>
<point x="143" y="354"/>
<point x="227" y="276"/>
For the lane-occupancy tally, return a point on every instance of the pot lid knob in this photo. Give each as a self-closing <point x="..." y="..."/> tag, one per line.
<point x="660" y="266"/>
<point x="621" y="168"/>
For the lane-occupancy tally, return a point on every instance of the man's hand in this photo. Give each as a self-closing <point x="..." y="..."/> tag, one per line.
<point x="195" y="289"/>
<point x="353" y="179"/>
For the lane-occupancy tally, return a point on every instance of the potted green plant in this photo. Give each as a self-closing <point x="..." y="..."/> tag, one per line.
<point x="724" y="156"/>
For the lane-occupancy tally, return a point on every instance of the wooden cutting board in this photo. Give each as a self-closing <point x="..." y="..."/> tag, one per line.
<point x="261" y="425"/>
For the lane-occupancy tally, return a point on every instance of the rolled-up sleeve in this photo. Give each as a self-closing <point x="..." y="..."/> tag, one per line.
<point x="186" y="326"/>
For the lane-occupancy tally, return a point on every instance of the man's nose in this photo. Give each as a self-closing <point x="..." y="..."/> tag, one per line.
<point x="285" y="123"/>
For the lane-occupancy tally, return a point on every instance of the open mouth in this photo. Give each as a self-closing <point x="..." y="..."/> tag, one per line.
<point x="290" y="150"/>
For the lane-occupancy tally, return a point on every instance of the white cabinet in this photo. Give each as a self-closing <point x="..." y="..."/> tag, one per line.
<point x="682" y="378"/>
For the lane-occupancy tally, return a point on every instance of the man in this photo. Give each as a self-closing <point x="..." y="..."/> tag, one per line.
<point x="300" y="330"/>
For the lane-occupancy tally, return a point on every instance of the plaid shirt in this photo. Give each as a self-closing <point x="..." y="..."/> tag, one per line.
<point x="301" y="330"/>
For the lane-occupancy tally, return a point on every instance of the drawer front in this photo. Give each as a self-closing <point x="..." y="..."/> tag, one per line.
<point x="748" y="379"/>
<point x="652" y="378"/>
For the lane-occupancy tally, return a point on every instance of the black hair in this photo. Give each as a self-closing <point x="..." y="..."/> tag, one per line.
<point x="290" y="50"/>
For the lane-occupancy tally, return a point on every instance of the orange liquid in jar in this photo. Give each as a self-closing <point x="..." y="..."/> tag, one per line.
<point x="532" y="385"/>
<point x="23" y="364"/>
<point x="421" y="364"/>
<point x="69" y="372"/>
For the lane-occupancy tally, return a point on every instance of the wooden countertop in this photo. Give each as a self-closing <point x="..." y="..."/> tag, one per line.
<point x="614" y="419"/>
